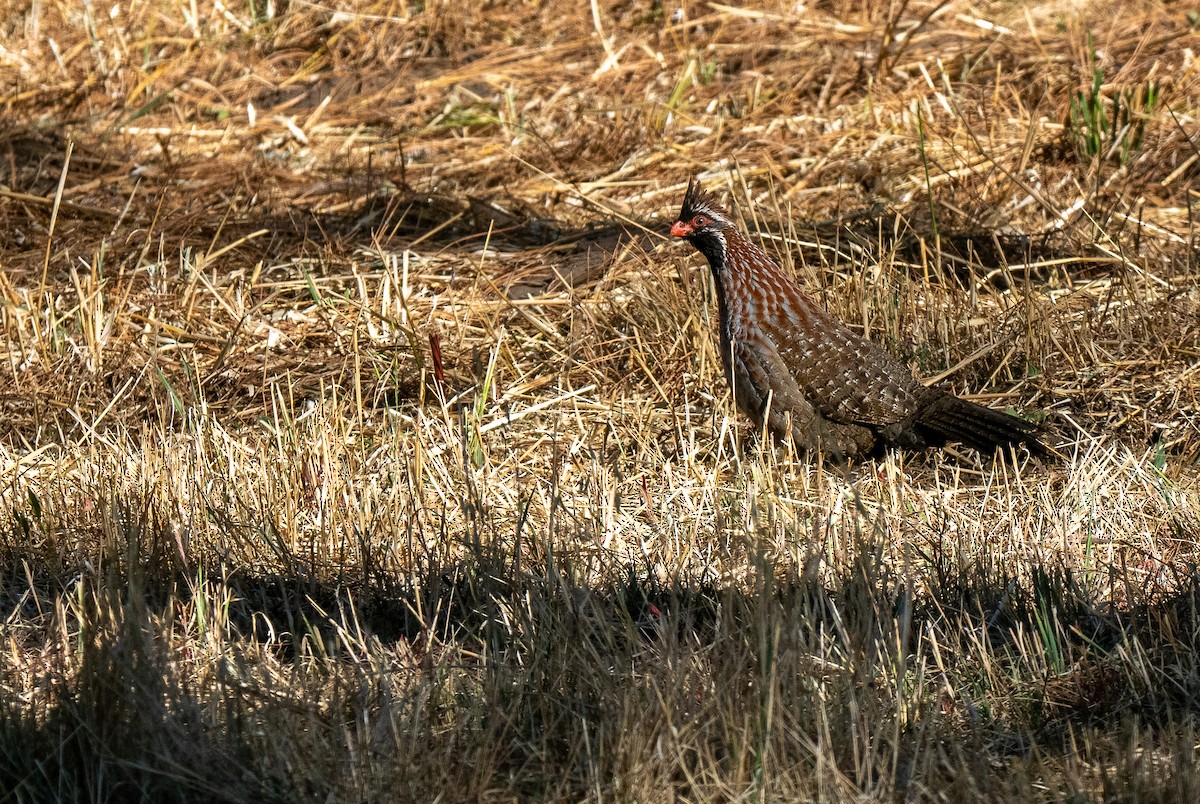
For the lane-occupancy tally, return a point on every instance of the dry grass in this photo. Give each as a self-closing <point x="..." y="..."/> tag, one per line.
<point x="358" y="443"/>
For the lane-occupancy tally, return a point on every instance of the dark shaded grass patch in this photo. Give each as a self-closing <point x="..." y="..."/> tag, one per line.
<point x="476" y="681"/>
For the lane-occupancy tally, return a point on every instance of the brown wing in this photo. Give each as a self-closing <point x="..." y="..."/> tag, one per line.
<point x="762" y="386"/>
<point x="774" y="392"/>
<point x="847" y="378"/>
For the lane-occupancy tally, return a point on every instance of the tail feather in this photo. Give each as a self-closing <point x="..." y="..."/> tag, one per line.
<point x="948" y="418"/>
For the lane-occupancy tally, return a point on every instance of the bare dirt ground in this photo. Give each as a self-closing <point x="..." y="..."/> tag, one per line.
<point x="362" y="438"/>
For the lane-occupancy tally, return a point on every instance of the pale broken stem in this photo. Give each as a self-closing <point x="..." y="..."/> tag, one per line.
<point x="58" y="194"/>
<point x="966" y="361"/>
<point x="521" y="414"/>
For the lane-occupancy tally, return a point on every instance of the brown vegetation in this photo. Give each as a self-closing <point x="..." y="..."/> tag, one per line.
<point x="362" y="439"/>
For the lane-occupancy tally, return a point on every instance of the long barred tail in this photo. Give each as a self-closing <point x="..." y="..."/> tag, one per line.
<point x="948" y="418"/>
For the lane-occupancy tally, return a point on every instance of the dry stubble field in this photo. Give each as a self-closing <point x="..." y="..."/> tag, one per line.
<point x="363" y="439"/>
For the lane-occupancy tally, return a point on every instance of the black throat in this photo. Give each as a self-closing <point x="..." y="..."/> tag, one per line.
<point x="713" y="247"/>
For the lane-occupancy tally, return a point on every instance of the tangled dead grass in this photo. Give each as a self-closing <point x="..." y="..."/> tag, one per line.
<point x="363" y="440"/>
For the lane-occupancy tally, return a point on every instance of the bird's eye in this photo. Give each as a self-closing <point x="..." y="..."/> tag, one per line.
<point x="700" y="221"/>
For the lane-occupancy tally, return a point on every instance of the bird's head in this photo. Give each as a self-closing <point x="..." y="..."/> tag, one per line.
<point x="701" y="214"/>
<point x="703" y="223"/>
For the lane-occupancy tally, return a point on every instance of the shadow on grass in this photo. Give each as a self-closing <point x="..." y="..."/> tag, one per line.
<point x="475" y="680"/>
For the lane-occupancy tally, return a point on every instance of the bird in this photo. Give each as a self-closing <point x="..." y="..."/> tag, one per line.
<point x="811" y="378"/>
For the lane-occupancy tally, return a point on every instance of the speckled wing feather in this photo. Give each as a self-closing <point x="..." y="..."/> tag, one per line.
<point x="757" y="368"/>
<point x="849" y="379"/>
<point x="787" y="409"/>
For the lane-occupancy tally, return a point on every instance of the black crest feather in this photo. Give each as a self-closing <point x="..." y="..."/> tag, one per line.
<point x="696" y="199"/>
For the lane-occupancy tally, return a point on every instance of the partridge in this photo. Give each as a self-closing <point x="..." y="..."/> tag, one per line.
<point x="812" y="379"/>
